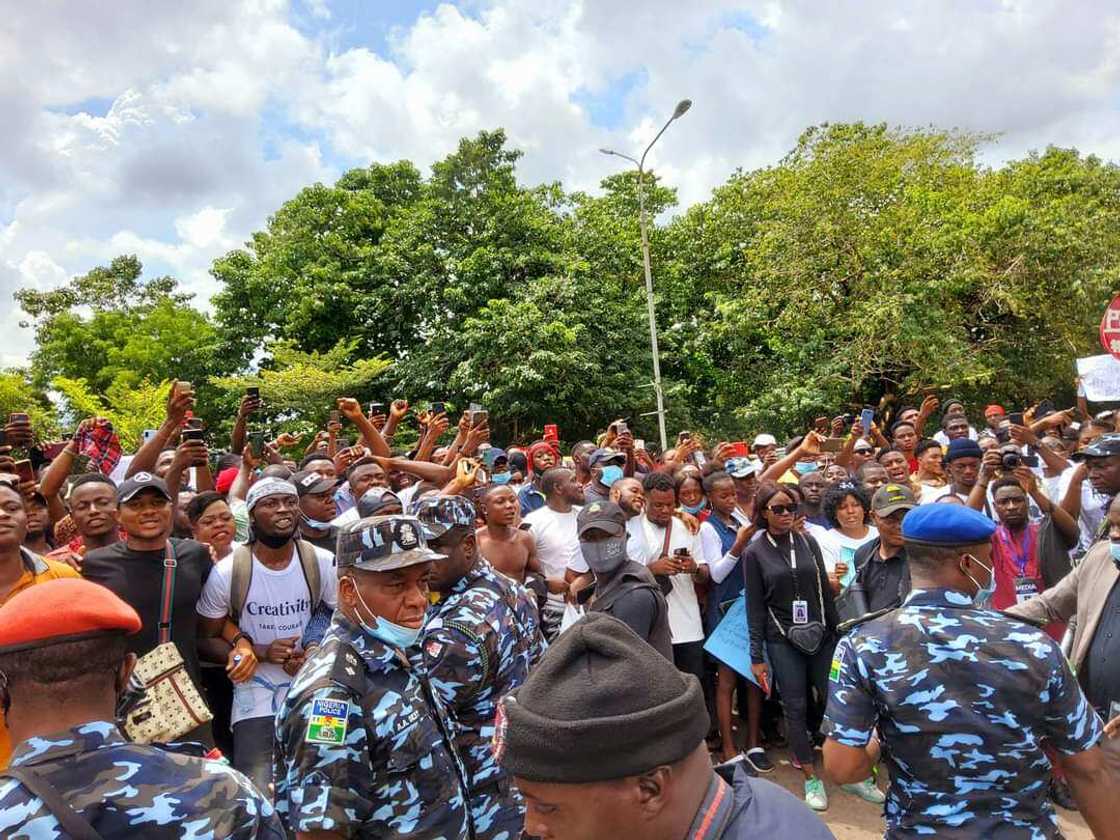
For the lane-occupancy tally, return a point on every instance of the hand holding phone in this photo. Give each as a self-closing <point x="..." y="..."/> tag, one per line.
<point x="867" y="419"/>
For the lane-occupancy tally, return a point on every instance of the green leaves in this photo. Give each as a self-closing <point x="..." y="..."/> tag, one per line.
<point x="307" y="384"/>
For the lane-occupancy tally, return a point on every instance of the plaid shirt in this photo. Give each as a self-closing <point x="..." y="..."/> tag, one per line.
<point x="101" y="446"/>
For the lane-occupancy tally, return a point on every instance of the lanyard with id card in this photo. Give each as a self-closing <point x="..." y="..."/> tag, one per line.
<point x="799" y="607"/>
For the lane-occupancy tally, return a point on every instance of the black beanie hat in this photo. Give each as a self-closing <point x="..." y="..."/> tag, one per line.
<point x="602" y="704"/>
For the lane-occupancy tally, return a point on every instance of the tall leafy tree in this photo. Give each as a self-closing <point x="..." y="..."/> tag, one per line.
<point x="111" y="328"/>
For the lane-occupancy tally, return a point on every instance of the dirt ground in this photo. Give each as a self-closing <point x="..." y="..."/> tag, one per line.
<point x="850" y="818"/>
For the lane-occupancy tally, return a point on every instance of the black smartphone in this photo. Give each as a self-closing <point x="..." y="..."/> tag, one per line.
<point x="1029" y="461"/>
<point x="192" y="434"/>
<point x="376" y="408"/>
<point x="1016" y="418"/>
<point x="256" y="443"/>
<point x="253" y="391"/>
<point x="680" y="552"/>
<point x="438" y="408"/>
<point x="17" y="417"/>
<point x="3" y="437"/>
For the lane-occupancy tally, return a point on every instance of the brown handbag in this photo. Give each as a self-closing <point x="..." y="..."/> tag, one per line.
<point x="171" y="706"/>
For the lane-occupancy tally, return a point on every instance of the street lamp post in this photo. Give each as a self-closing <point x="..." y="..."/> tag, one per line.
<point x="678" y="112"/>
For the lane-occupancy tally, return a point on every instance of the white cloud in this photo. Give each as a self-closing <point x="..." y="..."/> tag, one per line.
<point x="202" y="118"/>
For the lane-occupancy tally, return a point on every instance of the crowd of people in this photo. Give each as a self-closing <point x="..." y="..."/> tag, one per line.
<point x="344" y="637"/>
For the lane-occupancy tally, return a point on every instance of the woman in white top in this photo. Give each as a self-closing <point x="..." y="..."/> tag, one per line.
<point x="847" y="508"/>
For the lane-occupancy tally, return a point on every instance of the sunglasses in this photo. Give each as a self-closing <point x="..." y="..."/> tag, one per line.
<point x="782" y="509"/>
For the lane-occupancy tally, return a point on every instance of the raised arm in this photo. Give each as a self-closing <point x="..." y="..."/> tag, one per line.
<point x="178" y="404"/>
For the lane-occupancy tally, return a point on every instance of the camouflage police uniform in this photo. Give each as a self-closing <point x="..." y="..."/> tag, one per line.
<point x="363" y="745"/>
<point x="962" y="698"/>
<point x="131" y="790"/>
<point x="478" y="645"/>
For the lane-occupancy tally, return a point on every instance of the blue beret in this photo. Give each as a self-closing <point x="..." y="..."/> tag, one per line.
<point x="947" y="525"/>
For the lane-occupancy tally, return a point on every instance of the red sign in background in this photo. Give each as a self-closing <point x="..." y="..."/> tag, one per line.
<point x="1110" y="328"/>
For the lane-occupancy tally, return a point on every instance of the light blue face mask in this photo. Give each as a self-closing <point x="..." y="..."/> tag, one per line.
<point x="315" y="523"/>
<point x="1114" y="550"/>
<point x="695" y="509"/>
<point x="805" y="467"/>
<point x="391" y="634"/>
<point x="983" y="593"/>
<point x="610" y="475"/>
<point x="500" y="478"/>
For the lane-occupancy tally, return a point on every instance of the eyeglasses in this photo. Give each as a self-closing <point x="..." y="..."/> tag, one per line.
<point x="782" y="509"/>
<point x="863" y="450"/>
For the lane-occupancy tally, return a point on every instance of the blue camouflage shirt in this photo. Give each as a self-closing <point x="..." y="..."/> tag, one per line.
<point x="962" y="698"/>
<point x="133" y="790"/>
<point x="362" y="745"/>
<point x="478" y="645"/>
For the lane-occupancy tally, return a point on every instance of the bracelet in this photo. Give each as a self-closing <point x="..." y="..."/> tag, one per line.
<point x="239" y="637"/>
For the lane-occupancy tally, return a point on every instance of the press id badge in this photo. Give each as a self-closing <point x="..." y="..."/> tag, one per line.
<point x="800" y="612"/>
<point x="1025" y="589"/>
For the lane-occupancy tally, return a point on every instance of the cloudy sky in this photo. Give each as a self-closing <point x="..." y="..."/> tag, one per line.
<point x="172" y="130"/>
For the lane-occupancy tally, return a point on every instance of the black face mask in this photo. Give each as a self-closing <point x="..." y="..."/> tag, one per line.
<point x="273" y="540"/>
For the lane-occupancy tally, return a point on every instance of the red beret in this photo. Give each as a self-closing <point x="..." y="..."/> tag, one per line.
<point x="63" y="610"/>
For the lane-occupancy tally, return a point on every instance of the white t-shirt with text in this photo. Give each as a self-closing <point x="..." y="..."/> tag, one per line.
<point x="277" y="606"/>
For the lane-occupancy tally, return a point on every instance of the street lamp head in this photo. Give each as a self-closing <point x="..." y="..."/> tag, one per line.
<point x="608" y="151"/>
<point x="682" y="108"/>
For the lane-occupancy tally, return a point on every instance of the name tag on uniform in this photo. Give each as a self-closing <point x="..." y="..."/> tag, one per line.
<point x="800" y="612"/>
<point x="328" y="721"/>
<point x="1025" y="589"/>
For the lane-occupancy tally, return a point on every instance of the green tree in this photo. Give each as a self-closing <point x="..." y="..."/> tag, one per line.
<point x="875" y="260"/>
<point x="114" y="330"/>
<point x="130" y="408"/>
<point x="306" y="385"/>
<point x="18" y="394"/>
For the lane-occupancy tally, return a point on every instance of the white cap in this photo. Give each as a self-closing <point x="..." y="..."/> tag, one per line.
<point x="765" y="440"/>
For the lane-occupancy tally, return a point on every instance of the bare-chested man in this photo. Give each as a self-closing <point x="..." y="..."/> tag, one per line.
<point x="511" y="551"/>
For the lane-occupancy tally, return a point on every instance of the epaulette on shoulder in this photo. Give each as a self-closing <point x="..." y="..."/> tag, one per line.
<point x="852" y="623"/>
<point x="349" y="670"/>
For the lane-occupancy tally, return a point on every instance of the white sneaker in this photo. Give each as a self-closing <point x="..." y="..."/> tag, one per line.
<point x="867" y="791"/>
<point x="815" y="795"/>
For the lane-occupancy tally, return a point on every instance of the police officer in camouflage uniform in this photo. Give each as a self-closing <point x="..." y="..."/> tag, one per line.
<point x="64" y="660"/>
<point x="961" y="697"/>
<point x="478" y="645"/>
<point x="363" y="745"/>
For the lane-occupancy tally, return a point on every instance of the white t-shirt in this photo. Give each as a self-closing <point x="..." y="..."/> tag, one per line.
<point x="1092" y="509"/>
<point x="684" y="610"/>
<point x="557" y="538"/>
<point x="838" y="548"/>
<point x="277" y="606"/>
<point x="943" y="438"/>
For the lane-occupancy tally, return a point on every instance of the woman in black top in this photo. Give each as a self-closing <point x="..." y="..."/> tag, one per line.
<point x="784" y="591"/>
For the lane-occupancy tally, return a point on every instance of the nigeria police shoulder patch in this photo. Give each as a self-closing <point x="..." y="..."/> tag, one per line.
<point x="327" y="722"/>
